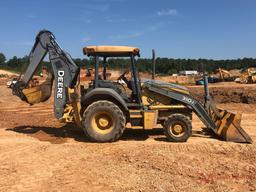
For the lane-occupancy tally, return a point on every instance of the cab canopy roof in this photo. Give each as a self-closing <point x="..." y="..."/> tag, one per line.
<point x="111" y="51"/>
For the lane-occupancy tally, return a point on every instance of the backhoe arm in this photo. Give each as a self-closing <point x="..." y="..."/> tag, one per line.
<point x="65" y="73"/>
<point x="36" y="55"/>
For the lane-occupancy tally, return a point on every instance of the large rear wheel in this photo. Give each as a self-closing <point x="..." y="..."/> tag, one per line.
<point x="103" y="121"/>
<point x="177" y="128"/>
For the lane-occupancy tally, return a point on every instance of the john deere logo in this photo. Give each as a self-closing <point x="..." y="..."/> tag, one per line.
<point x="60" y="84"/>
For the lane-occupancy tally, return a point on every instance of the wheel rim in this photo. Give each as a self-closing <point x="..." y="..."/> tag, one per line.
<point x="103" y="122"/>
<point x="177" y="130"/>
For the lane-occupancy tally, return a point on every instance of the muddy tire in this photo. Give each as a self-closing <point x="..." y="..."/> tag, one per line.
<point x="103" y="121"/>
<point x="178" y="128"/>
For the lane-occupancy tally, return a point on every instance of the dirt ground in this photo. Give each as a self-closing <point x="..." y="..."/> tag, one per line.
<point x="37" y="153"/>
<point x="7" y="72"/>
<point x="5" y="76"/>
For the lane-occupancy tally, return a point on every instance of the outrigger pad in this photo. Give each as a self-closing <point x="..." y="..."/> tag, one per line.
<point x="229" y="127"/>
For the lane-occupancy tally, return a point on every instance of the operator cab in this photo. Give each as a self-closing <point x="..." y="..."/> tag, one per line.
<point x="103" y="53"/>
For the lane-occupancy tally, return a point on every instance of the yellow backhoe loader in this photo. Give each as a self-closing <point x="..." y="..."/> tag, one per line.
<point x="104" y="108"/>
<point x="248" y="76"/>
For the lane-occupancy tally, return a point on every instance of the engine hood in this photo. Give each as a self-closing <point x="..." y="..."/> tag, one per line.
<point x="166" y="86"/>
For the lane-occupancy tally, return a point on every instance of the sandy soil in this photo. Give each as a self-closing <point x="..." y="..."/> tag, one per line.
<point x="37" y="153"/>
<point x="7" y="75"/>
<point x="7" y="72"/>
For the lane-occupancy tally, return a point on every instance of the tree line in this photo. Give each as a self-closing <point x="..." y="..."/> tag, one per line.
<point x="164" y="66"/>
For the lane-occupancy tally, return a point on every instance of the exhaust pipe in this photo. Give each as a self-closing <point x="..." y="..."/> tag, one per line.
<point x="153" y="63"/>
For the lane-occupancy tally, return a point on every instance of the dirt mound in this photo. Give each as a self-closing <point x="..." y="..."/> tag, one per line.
<point x="227" y="94"/>
<point x="42" y="136"/>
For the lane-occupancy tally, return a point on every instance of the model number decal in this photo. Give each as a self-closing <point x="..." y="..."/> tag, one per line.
<point x="188" y="100"/>
<point x="60" y="86"/>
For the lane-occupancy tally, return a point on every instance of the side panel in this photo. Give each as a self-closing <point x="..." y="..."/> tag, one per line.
<point x="150" y="119"/>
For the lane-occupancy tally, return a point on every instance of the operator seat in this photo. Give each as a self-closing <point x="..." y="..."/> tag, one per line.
<point x="111" y="85"/>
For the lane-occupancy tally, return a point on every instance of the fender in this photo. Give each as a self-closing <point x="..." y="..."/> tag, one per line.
<point x="103" y="94"/>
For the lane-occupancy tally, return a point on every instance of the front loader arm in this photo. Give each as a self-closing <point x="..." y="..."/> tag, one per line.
<point x="65" y="73"/>
<point x="223" y="123"/>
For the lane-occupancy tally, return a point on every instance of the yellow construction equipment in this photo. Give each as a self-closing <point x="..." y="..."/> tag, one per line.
<point x="224" y="75"/>
<point x="104" y="108"/>
<point x="248" y="76"/>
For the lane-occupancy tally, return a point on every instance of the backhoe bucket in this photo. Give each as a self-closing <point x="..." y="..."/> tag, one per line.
<point x="38" y="94"/>
<point x="229" y="127"/>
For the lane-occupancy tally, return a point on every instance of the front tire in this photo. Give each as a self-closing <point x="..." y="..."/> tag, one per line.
<point x="178" y="128"/>
<point x="103" y="121"/>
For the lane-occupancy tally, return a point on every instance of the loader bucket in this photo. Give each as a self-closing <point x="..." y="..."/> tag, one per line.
<point x="228" y="126"/>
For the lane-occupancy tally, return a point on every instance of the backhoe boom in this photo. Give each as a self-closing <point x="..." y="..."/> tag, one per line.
<point x="65" y="72"/>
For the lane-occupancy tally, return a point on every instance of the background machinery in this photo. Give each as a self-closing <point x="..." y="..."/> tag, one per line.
<point x="248" y="76"/>
<point x="104" y="108"/>
<point x="224" y="75"/>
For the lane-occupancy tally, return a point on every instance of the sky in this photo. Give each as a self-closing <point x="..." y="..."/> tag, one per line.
<point x="212" y="29"/>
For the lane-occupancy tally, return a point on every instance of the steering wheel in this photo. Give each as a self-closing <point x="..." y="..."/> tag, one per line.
<point x="122" y="76"/>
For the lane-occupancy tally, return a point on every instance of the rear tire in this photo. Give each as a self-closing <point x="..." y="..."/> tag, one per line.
<point x="103" y="121"/>
<point x="178" y="128"/>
